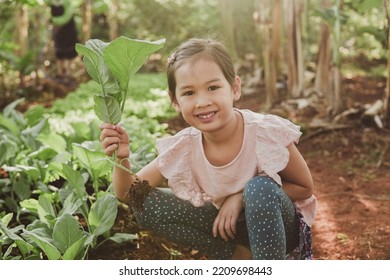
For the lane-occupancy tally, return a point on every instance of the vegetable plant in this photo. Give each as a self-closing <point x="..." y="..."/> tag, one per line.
<point x="53" y="180"/>
<point x="113" y="65"/>
<point x="64" y="232"/>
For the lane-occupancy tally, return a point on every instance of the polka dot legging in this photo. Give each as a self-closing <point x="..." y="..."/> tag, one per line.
<point x="270" y="227"/>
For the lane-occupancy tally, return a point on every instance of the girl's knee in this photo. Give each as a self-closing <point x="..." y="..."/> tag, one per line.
<point x="261" y="188"/>
<point x="261" y="184"/>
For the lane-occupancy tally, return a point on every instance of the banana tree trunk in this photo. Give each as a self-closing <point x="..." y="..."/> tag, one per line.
<point x="263" y="18"/>
<point x="21" y="29"/>
<point x="113" y="20"/>
<point x="322" y="79"/>
<point x="87" y="21"/>
<point x="294" y="9"/>
<point x="277" y="18"/>
<point x="337" y="102"/>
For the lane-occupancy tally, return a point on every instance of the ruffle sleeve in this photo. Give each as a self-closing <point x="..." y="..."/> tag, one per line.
<point x="273" y="135"/>
<point x="308" y="209"/>
<point x="174" y="163"/>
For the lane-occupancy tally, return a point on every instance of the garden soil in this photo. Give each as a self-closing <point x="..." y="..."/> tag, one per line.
<point x="350" y="167"/>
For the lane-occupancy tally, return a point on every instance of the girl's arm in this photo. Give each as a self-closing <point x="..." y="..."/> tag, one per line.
<point x="122" y="179"/>
<point x="115" y="139"/>
<point x="296" y="177"/>
<point x="226" y="220"/>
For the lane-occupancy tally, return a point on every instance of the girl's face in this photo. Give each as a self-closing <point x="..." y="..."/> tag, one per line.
<point x="204" y="96"/>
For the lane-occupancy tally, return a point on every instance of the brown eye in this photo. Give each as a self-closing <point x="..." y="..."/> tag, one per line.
<point x="188" y="93"/>
<point x="211" y="88"/>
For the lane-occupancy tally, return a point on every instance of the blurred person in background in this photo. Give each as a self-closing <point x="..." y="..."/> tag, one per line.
<point x="65" y="35"/>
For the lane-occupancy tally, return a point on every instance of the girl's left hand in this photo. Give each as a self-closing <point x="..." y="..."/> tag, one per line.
<point x="226" y="220"/>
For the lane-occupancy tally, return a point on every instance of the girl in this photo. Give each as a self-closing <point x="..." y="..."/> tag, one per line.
<point x="239" y="188"/>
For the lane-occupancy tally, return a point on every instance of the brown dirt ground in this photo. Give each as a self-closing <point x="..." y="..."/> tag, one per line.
<point x="350" y="168"/>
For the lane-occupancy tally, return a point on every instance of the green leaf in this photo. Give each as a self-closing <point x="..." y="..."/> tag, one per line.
<point x="11" y="107"/>
<point x="74" y="250"/>
<point x="30" y="204"/>
<point x="95" y="65"/>
<point x="123" y="237"/>
<point x="45" y="244"/>
<point x="45" y="209"/>
<point x="10" y="125"/>
<point x="107" y="109"/>
<point x="75" y="179"/>
<point x="66" y="232"/>
<point x="90" y="155"/>
<point x="31" y="171"/>
<point x="102" y="214"/>
<point x="124" y="57"/>
<point x="34" y="114"/>
<point x="43" y="153"/>
<point x="6" y="219"/>
<point x="8" y="146"/>
<point x="70" y="205"/>
<point x="54" y="141"/>
<point x="24" y="247"/>
<point x="21" y="187"/>
<point x="82" y="131"/>
<point x="36" y="129"/>
<point x="9" y="232"/>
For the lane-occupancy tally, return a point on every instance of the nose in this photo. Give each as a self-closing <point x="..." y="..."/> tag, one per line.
<point x="202" y="100"/>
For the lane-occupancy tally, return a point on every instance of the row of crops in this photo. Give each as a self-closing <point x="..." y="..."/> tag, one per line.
<point x="56" y="200"/>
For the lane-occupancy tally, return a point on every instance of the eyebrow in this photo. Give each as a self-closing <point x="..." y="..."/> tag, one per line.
<point x="209" y="82"/>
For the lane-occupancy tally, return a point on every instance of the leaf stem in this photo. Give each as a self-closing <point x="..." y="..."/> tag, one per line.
<point x="113" y="161"/>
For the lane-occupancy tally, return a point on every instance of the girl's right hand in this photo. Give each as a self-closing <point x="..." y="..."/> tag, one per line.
<point x="114" y="139"/>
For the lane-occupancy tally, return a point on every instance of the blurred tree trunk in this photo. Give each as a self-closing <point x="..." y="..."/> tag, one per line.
<point x="269" y="35"/>
<point x="227" y="17"/>
<point x="113" y="19"/>
<point x="331" y="89"/>
<point x="21" y="36"/>
<point x="336" y="101"/>
<point x="244" y="27"/>
<point x="277" y="18"/>
<point x="294" y="11"/>
<point x="322" y="78"/>
<point x="236" y="17"/>
<point x="87" y="21"/>
<point x="387" y="93"/>
<point x="21" y="29"/>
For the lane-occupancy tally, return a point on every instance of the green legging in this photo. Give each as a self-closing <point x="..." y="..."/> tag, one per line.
<point x="270" y="227"/>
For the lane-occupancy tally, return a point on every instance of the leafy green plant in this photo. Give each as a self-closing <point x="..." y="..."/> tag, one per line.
<point x="113" y="65"/>
<point x="89" y="155"/>
<point x="67" y="222"/>
<point x="49" y="161"/>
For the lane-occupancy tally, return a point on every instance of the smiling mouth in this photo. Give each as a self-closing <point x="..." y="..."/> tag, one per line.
<point x="206" y="116"/>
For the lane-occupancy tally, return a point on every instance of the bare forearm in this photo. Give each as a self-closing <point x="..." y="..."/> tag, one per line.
<point x="122" y="180"/>
<point x="296" y="178"/>
<point x="296" y="192"/>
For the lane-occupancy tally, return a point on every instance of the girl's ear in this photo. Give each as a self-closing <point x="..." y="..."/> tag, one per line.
<point x="176" y="106"/>
<point x="237" y="88"/>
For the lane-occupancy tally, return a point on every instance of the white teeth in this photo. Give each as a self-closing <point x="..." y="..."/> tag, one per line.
<point x="206" y="116"/>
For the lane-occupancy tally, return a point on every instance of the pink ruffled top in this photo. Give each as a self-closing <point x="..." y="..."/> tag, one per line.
<point x="264" y="152"/>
